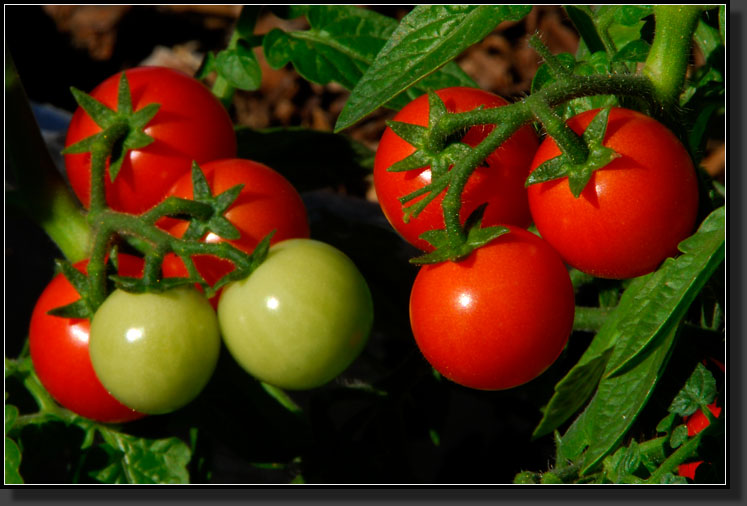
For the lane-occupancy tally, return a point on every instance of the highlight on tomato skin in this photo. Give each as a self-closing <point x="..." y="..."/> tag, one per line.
<point x="191" y="125"/>
<point x="499" y="182"/>
<point x="59" y="349"/>
<point x="499" y="317"/>
<point x="634" y="211"/>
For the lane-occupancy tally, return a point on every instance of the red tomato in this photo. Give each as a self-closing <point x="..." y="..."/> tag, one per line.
<point x="267" y="202"/>
<point x="688" y="469"/>
<point x="59" y="352"/>
<point x="191" y="124"/>
<point x="500" y="182"/>
<point x="633" y="212"/>
<point x="698" y="421"/>
<point x="497" y="318"/>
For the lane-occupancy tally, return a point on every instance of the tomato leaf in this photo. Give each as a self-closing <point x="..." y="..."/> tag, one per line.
<point x="583" y="19"/>
<point x="239" y="67"/>
<point x="143" y="461"/>
<point x="12" y="463"/>
<point x="634" y="51"/>
<point x="620" y="466"/>
<point x="699" y="390"/>
<point x="426" y="39"/>
<point x="602" y="425"/>
<point x="572" y="392"/>
<point x="666" y="295"/>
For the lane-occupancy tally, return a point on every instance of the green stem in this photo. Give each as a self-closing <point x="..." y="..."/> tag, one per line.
<point x="668" y="58"/>
<point x="41" y="191"/>
<point x="99" y="155"/>
<point x="590" y="319"/>
<point x="569" y="143"/>
<point x="675" y="459"/>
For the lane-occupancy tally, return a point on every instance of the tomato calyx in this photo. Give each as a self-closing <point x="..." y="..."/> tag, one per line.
<point x="446" y="248"/>
<point x="577" y="167"/>
<point x="122" y="130"/>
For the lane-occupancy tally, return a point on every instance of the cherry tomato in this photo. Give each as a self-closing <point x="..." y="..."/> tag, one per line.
<point x="301" y="318"/>
<point x="633" y="212"/>
<point x="59" y="352"/>
<point x="267" y="202"/>
<point x="698" y="421"/>
<point x="155" y="352"/>
<point x="191" y="124"/>
<point x="497" y="318"/>
<point x="499" y="182"/>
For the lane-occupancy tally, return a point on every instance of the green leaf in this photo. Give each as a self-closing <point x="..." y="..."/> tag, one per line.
<point x="634" y="51"/>
<point x="583" y="19"/>
<point x="136" y="460"/>
<point x="602" y="425"/>
<point x="12" y="463"/>
<point x="571" y="393"/>
<point x="11" y="413"/>
<point x="426" y="39"/>
<point x="679" y="436"/>
<point x="699" y="390"/>
<point x="666" y="424"/>
<point x="340" y="45"/>
<point x="622" y="463"/>
<point x="707" y="38"/>
<point x="666" y="295"/>
<point x="239" y="67"/>
<point x="630" y="15"/>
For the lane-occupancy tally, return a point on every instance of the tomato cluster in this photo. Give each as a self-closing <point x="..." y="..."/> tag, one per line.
<point x="299" y="319"/>
<point x="501" y="315"/>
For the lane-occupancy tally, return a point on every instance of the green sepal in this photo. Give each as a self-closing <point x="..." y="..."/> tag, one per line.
<point x="417" y="160"/>
<point x="78" y="309"/>
<point x="445" y="250"/>
<point x="216" y="223"/>
<point x="122" y="130"/>
<point x="81" y="308"/>
<point x="579" y="174"/>
<point x="414" y="134"/>
<point x="244" y="269"/>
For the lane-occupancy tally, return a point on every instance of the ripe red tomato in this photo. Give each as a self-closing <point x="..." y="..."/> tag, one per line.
<point x="191" y="124"/>
<point x="267" y="202"/>
<point x="698" y="421"/>
<point x="497" y="318"/>
<point x="633" y="212"/>
<point x="59" y="352"/>
<point x="499" y="183"/>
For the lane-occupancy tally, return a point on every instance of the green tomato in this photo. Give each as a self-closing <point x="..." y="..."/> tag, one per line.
<point x="155" y="352"/>
<point x="301" y="318"/>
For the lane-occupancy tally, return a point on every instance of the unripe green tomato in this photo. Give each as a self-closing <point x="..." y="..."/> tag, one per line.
<point x="301" y="318"/>
<point x="155" y="352"/>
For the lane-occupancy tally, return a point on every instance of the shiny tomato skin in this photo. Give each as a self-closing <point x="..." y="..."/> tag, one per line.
<point x="59" y="352"/>
<point x="301" y="318"/>
<point x="497" y="318"/>
<point x="191" y="124"/>
<point x="634" y="211"/>
<point x="267" y="202"/>
<point x="500" y="182"/>
<point x="155" y="351"/>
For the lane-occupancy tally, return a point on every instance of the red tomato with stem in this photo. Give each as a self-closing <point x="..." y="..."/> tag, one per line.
<point x="191" y="124"/>
<point x="59" y="351"/>
<point x="497" y="318"/>
<point x="499" y="182"/>
<point x="634" y="211"/>
<point x="267" y="202"/>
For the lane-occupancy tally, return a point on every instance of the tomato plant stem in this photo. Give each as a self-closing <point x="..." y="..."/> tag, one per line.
<point x="668" y="58"/>
<point x="41" y="191"/>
